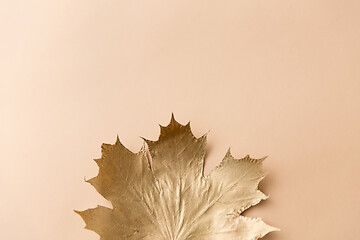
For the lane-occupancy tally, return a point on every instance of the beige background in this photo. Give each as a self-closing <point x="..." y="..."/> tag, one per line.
<point x="276" y="78"/>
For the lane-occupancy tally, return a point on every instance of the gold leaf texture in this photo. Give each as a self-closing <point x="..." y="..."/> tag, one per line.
<point x="171" y="199"/>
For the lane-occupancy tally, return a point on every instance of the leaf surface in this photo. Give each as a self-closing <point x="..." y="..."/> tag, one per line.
<point x="171" y="199"/>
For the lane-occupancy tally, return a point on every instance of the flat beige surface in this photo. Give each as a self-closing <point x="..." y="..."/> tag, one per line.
<point x="276" y="78"/>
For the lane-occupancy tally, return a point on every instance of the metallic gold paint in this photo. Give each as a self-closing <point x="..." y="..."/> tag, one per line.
<point x="171" y="199"/>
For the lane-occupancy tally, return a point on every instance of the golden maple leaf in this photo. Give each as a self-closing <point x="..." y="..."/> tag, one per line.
<point x="171" y="199"/>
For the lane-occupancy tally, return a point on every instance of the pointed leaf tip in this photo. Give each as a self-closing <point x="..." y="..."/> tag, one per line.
<point x="77" y="212"/>
<point x="274" y="229"/>
<point x="147" y="141"/>
<point x="117" y="142"/>
<point x="173" y="120"/>
<point x="228" y="152"/>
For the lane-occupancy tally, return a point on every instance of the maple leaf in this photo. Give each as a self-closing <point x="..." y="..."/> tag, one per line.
<point x="171" y="199"/>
